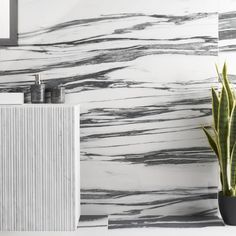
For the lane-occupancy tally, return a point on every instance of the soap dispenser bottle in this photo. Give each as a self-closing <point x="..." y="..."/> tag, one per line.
<point x="37" y="91"/>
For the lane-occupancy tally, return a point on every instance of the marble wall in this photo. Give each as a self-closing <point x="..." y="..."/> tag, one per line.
<point x="142" y="72"/>
<point x="227" y="34"/>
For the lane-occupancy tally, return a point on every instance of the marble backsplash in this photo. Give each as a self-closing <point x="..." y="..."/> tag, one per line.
<point x="142" y="72"/>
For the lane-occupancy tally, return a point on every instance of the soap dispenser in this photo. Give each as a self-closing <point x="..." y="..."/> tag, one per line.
<point x="37" y="91"/>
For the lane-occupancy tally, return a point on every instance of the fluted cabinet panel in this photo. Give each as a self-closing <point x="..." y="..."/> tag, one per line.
<point x="39" y="167"/>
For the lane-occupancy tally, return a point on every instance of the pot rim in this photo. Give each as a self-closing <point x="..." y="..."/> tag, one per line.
<point x="220" y="194"/>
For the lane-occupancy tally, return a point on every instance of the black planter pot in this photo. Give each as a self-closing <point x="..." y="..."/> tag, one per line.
<point x="227" y="206"/>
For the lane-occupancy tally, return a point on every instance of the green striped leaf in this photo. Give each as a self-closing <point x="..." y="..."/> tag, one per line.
<point x="211" y="141"/>
<point x="214" y="146"/>
<point x="232" y="129"/>
<point x="223" y="120"/>
<point x="215" y="107"/>
<point x="233" y="167"/>
<point x="228" y="88"/>
<point x="218" y="73"/>
<point x="221" y="178"/>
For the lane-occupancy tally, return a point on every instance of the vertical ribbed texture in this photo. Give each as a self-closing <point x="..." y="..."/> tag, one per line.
<point x="39" y="167"/>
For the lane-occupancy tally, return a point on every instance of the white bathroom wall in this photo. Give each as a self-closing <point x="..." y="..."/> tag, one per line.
<point x="141" y="70"/>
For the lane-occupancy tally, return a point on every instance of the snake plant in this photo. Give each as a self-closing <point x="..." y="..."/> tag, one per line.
<point x="222" y="135"/>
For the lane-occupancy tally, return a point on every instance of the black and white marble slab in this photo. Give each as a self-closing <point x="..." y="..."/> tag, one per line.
<point x="187" y="221"/>
<point x="93" y="221"/>
<point x="142" y="71"/>
<point x="227" y="34"/>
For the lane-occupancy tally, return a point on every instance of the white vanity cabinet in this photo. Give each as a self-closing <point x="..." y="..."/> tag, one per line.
<point x="39" y="167"/>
